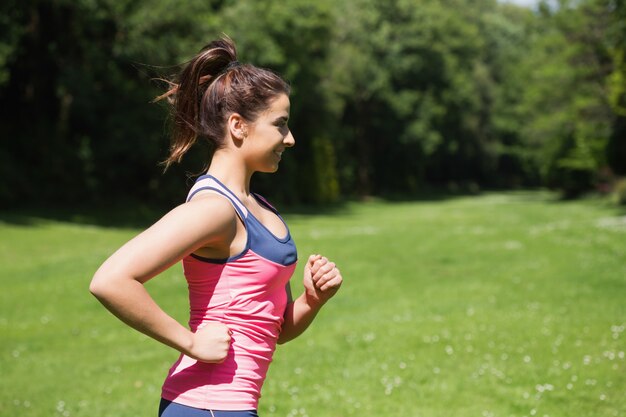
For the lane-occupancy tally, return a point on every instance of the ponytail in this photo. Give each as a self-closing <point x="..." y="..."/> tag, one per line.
<point x="210" y="87"/>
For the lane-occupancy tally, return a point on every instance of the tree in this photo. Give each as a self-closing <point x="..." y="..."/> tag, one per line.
<point x="616" y="148"/>
<point x="292" y="38"/>
<point x="565" y="103"/>
<point x="77" y="96"/>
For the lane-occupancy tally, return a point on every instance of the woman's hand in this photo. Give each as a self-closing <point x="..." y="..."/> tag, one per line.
<point x="211" y="343"/>
<point x="322" y="280"/>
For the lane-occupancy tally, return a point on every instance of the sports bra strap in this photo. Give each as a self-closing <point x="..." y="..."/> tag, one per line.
<point x="211" y="184"/>
<point x="264" y="202"/>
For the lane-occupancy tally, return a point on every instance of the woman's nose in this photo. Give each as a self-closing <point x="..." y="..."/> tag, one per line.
<point x="289" y="140"/>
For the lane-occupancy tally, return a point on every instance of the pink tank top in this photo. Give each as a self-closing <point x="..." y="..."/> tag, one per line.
<point x="247" y="293"/>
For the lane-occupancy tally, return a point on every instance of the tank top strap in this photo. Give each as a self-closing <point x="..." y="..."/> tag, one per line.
<point x="209" y="183"/>
<point x="264" y="202"/>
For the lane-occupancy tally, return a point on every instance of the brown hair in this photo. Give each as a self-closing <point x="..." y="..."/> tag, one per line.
<point x="212" y="86"/>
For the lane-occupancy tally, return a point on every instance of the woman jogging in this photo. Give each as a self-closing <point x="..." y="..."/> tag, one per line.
<point x="236" y="251"/>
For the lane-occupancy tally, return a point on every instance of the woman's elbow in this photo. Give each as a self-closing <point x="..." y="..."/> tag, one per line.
<point x="96" y="287"/>
<point x="99" y="285"/>
<point x="284" y="338"/>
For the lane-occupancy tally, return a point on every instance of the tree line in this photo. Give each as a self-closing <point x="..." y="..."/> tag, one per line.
<point x="388" y="96"/>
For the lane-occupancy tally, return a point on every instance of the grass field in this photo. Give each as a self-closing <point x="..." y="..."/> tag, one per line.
<point x="503" y="304"/>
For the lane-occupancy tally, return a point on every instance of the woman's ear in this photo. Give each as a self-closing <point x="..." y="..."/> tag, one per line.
<point x="237" y="126"/>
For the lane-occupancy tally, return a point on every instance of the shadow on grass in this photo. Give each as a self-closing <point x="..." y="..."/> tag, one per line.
<point x="346" y="205"/>
<point x="118" y="216"/>
<point x="444" y="194"/>
<point x="140" y="215"/>
<point x="430" y="196"/>
<point x="594" y="197"/>
<point x="131" y="215"/>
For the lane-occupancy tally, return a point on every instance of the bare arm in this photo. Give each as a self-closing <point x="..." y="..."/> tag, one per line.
<point x="118" y="283"/>
<point x="322" y="280"/>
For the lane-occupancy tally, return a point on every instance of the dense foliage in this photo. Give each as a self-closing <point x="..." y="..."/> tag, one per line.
<point x="388" y="96"/>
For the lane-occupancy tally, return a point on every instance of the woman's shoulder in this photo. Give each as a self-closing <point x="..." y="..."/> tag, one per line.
<point x="205" y="216"/>
<point x="212" y="207"/>
<point x="207" y="219"/>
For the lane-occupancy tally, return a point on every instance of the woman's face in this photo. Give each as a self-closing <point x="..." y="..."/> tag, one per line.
<point x="269" y="136"/>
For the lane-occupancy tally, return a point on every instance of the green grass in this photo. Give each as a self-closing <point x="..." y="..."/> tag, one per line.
<point x="504" y="304"/>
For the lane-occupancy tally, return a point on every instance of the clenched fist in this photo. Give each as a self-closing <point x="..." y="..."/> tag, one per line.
<point x="211" y="343"/>
<point x="322" y="279"/>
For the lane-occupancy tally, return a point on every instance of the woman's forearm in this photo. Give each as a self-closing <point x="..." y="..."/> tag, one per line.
<point x="298" y="316"/>
<point x="129" y="300"/>
<point x="321" y="281"/>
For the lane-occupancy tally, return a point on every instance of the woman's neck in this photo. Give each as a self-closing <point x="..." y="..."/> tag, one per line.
<point x="231" y="171"/>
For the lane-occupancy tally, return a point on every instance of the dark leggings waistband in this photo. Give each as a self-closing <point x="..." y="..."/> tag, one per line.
<point x="171" y="409"/>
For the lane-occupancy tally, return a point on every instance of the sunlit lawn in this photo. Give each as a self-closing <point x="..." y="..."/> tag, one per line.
<point x="504" y="304"/>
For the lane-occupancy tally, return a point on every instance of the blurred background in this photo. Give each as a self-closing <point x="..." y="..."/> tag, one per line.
<point x="389" y="97"/>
